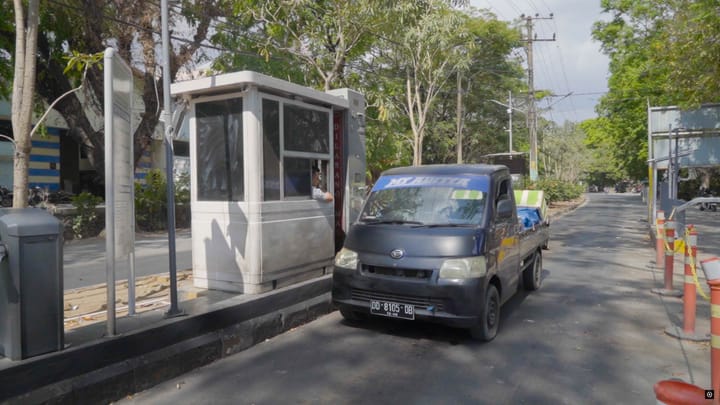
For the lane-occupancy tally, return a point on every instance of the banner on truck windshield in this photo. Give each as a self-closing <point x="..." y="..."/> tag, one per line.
<point x="456" y="182"/>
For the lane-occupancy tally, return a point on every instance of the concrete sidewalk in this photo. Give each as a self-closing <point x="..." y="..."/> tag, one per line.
<point x="148" y="347"/>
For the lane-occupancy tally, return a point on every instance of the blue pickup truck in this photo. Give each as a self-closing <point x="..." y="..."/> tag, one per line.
<point x="439" y="243"/>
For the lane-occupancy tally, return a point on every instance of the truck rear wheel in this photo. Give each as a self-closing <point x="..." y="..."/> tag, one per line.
<point x="532" y="276"/>
<point x="487" y="325"/>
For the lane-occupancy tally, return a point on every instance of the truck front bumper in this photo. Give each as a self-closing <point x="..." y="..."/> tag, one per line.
<point x="456" y="303"/>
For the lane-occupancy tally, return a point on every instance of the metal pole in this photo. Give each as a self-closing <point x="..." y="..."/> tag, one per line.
<point x="532" y="122"/>
<point x="510" y="120"/>
<point x="109" y="202"/>
<point x="167" y="118"/>
<point x="676" y="165"/>
<point x="670" y="169"/>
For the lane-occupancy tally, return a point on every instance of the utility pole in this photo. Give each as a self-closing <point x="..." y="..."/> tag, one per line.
<point x="532" y="110"/>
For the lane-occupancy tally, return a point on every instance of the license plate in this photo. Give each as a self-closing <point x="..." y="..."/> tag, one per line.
<point x="392" y="309"/>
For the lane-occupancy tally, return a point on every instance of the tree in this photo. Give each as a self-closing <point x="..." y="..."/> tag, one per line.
<point x="23" y="94"/>
<point x="491" y="73"/>
<point x="661" y="53"/>
<point x="323" y="36"/>
<point x="602" y="168"/>
<point x="427" y="54"/>
<point x="693" y="52"/>
<point x="133" y="28"/>
<point x="564" y="154"/>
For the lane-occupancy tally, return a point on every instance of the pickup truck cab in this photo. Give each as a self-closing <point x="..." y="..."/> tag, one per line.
<point x="439" y="243"/>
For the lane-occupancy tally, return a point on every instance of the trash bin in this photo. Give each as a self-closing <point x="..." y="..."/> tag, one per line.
<point x="31" y="283"/>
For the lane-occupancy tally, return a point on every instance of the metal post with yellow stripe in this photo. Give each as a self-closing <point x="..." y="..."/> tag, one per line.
<point x="669" y="250"/>
<point x="689" y="293"/>
<point x="711" y="268"/>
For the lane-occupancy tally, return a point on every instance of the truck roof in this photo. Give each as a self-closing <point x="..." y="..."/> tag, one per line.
<point x="448" y="169"/>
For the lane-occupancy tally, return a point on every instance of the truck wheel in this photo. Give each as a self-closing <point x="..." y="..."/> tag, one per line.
<point x="532" y="276"/>
<point x="487" y="325"/>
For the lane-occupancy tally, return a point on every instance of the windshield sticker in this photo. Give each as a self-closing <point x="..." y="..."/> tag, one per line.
<point x="467" y="195"/>
<point x="458" y="182"/>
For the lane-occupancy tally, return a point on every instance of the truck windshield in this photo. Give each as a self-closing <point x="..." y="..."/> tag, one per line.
<point x="435" y="205"/>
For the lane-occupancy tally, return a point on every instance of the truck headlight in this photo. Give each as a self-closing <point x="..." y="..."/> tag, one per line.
<point x="346" y="259"/>
<point x="468" y="267"/>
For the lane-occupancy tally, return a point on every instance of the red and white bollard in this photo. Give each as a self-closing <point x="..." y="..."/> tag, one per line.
<point x="711" y="267"/>
<point x="689" y="294"/>
<point x="660" y="240"/>
<point x="677" y="392"/>
<point x="669" y="260"/>
<point x="669" y="254"/>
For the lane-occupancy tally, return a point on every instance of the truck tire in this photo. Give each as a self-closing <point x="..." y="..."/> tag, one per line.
<point x="532" y="276"/>
<point x="487" y="325"/>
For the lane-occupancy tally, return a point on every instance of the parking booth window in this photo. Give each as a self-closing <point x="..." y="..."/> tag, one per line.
<point x="296" y="139"/>
<point x="220" y="150"/>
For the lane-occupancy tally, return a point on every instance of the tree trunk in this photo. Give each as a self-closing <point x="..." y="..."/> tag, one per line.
<point x="23" y="95"/>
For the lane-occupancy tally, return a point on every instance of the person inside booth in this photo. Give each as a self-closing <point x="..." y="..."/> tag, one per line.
<point x="317" y="192"/>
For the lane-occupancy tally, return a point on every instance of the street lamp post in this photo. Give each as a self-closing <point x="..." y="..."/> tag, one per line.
<point x="510" y="110"/>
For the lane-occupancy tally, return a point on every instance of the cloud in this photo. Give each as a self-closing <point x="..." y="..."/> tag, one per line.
<point x="573" y="62"/>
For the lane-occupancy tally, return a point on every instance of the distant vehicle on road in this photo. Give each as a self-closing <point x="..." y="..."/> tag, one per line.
<point x="441" y="243"/>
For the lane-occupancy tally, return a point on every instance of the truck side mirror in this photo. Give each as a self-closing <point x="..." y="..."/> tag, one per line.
<point x="504" y="209"/>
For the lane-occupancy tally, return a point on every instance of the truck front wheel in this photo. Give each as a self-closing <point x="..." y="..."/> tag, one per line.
<point x="487" y="325"/>
<point x="532" y="276"/>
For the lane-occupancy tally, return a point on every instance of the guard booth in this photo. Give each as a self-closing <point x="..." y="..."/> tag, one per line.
<point x="254" y="143"/>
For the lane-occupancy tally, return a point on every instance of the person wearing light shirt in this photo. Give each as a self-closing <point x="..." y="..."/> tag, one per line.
<point x="317" y="192"/>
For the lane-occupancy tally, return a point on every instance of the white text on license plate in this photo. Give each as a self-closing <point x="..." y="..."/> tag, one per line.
<point x="392" y="309"/>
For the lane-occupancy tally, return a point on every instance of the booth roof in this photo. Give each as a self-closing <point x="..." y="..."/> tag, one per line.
<point x="236" y="81"/>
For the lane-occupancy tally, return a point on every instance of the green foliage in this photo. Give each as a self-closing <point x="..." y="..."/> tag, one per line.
<point x="79" y="62"/>
<point x="85" y="221"/>
<point x="151" y="202"/>
<point x="661" y="53"/>
<point x="557" y="190"/>
<point x="375" y="47"/>
<point x="182" y="189"/>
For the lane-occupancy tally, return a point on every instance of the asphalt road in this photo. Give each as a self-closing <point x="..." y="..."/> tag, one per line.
<point x="84" y="260"/>
<point x="593" y="334"/>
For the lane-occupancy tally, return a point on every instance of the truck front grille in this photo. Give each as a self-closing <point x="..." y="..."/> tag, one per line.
<point x="422" y="302"/>
<point x="396" y="272"/>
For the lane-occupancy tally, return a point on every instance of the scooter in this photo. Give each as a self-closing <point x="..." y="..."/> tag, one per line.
<point x="707" y="206"/>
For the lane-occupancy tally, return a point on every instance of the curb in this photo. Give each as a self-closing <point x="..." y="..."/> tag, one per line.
<point x="109" y="369"/>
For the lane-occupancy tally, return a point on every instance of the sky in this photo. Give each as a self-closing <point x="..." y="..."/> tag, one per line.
<point x="573" y="63"/>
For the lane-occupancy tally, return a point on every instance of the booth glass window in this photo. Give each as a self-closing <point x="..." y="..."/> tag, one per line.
<point x="219" y="145"/>
<point x="296" y="138"/>
<point x="306" y="130"/>
<point x="271" y="149"/>
<point x="297" y="177"/>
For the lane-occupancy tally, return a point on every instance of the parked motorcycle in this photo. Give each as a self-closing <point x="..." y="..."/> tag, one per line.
<point x="6" y="197"/>
<point x="707" y="206"/>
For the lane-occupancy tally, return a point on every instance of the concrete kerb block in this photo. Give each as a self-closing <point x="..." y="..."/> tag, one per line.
<point x="242" y="336"/>
<point x="667" y="293"/>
